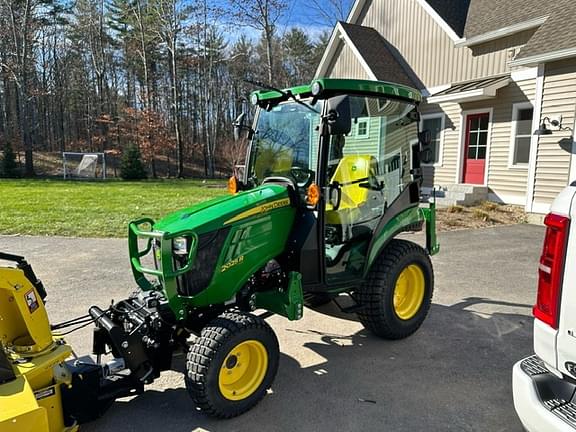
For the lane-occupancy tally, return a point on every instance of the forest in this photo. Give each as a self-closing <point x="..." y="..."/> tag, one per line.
<point x="166" y="76"/>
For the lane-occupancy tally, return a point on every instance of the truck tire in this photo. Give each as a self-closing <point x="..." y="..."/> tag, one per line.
<point x="232" y="364"/>
<point x="396" y="295"/>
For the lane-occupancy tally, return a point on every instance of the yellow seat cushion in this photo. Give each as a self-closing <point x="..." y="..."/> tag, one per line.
<point x="352" y="170"/>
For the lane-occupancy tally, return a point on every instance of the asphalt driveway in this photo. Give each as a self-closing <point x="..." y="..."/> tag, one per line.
<point x="454" y="374"/>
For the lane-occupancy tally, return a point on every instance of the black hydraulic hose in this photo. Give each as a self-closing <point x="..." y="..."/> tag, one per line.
<point x="79" y="320"/>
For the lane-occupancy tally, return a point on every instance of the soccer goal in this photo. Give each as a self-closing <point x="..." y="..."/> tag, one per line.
<point x="84" y="165"/>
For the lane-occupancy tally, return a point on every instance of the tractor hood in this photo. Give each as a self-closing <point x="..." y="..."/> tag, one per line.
<point x="220" y="212"/>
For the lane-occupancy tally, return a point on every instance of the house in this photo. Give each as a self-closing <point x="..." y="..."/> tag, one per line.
<point x="491" y="72"/>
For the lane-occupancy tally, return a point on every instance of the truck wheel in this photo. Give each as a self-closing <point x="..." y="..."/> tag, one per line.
<point x="232" y="364"/>
<point x="396" y="296"/>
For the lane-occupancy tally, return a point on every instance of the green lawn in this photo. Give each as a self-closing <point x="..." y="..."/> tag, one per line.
<point x="93" y="209"/>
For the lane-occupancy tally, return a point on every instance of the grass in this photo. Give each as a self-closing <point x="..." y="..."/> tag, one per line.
<point x="93" y="209"/>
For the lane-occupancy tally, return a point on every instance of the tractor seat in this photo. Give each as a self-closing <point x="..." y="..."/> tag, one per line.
<point x="351" y="172"/>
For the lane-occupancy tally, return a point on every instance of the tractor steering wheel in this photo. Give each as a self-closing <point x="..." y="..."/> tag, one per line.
<point x="303" y="176"/>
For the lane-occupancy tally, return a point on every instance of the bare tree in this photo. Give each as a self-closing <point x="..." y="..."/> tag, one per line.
<point x="170" y="15"/>
<point x="328" y="12"/>
<point x="261" y="15"/>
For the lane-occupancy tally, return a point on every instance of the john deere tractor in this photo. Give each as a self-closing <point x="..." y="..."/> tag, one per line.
<point x="332" y="176"/>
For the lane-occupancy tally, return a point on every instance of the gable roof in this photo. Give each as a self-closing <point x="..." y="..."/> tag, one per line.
<point x="377" y="52"/>
<point x="454" y="12"/>
<point x="555" y="39"/>
<point x="485" y="16"/>
<point x="473" y="22"/>
<point x="373" y="51"/>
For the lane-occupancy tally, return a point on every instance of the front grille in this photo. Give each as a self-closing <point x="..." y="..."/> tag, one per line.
<point x="200" y="275"/>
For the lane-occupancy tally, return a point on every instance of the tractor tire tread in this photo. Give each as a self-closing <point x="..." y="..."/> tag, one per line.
<point x="382" y="273"/>
<point x="205" y="348"/>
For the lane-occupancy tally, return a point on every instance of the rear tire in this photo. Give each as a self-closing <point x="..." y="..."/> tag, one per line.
<point x="396" y="296"/>
<point x="232" y="364"/>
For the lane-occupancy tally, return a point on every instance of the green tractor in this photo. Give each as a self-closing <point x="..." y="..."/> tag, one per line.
<point x="332" y="177"/>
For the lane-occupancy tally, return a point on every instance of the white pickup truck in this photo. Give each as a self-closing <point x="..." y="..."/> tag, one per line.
<point x="544" y="384"/>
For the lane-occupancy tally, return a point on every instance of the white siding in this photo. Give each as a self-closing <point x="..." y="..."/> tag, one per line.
<point x="553" y="161"/>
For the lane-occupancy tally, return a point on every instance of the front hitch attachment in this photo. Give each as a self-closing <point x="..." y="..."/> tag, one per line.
<point x="128" y="346"/>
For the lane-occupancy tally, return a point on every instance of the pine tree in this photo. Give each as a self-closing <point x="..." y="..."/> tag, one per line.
<point x="9" y="164"/>
<point x="132" y="167"/>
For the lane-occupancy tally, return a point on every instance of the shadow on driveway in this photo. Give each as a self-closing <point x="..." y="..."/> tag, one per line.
<point x="453" y="374"/>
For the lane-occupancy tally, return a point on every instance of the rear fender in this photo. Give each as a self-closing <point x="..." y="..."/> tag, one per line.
<point x="402" y="215"/>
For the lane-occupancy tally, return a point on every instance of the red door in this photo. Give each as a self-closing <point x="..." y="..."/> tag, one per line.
<point x="475" y="148"/>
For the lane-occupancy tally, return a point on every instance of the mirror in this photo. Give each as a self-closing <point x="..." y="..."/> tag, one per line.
<point x="425" y="138"/>
<point x="426" y="156"/>
<point x="334" y="195"/>
<point x="426" y="153"/>
<point x="339" y="120"/>
<point x="239" y="125"/>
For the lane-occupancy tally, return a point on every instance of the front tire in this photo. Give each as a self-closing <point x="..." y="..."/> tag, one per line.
<point x="232" y="364"/>
<point x="396" y="296"/>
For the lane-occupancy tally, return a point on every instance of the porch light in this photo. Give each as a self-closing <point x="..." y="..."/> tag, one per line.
<point x="557" y="123"/>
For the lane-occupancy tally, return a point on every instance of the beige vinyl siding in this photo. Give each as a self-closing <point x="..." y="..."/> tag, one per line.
<point x="505" y="181"/>
<point x="428" y="50"/>
<point x="553" y="162"/>
<point x="346" y="64"/>
<point x="502" y="180"/>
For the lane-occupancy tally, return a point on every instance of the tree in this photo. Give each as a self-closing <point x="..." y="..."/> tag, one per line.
<point x="9" y="165"/>
<point x="131" y="167"/>
<point x="99" y="75"/>
<point x="171" y="14"/>
<point x="298" y="56"/>
<point x="21" y="20"/>
<point x="329" y="12"/>
<point x="261" y="15"/>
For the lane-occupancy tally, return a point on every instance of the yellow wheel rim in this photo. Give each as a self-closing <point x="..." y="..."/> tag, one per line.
<point x="409" y="292"/>
<point x="243" y="370"/>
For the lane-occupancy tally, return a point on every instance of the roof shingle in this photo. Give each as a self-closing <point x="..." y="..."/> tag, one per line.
<point x="454" y="12"/>
<point x="377" y="52"/>
<point x="557" y="33"/>
<point x="485" y="16"/>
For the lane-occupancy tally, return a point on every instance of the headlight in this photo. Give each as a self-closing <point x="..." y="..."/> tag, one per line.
<point x="316" y="88"/>
<point x="180" y="246"/>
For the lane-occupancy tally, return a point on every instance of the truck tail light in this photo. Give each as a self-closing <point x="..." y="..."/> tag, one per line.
<point x="550" y="270"/>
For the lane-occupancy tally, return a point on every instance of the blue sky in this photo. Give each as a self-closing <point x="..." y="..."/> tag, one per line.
<point x="301" y="13"/>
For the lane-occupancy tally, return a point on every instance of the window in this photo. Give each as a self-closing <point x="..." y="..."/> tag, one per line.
<point x="362" y="129"/>
<point x="365" y="175"/>
<point x="522" y="115"/>
<point x="435" y="124"/>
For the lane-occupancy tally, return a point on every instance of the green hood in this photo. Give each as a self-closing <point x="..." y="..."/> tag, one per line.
<point x="214" y="214"/>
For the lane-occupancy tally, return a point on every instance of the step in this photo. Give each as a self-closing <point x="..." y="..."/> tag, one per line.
<point x="566" y="412"/>
<point x="465" y="188"/>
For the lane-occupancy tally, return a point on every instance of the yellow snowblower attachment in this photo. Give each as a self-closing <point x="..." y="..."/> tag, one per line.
<point x="32" y="360"/>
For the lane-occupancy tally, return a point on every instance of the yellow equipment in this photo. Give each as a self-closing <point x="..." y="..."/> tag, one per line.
<point x="351" y="174"/>
<point x="32" y="360"/>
